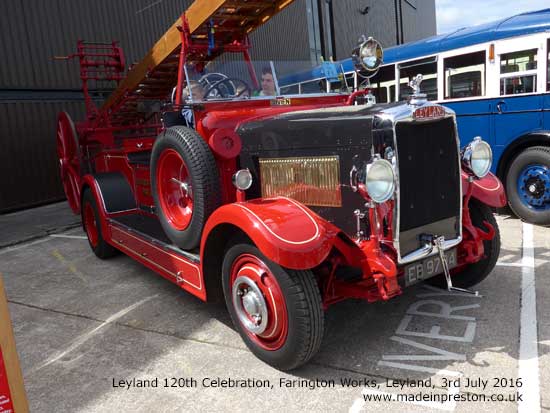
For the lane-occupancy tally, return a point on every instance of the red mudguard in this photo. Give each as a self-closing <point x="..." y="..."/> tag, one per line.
<point x="284" y="230"/>
<point x="488" y="190"/>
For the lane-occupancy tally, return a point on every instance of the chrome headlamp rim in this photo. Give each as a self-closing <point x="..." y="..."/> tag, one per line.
<point x="368" y="49"/>
<point x="477" y="146"/>
<point x="242" y="179"/>
<point x="388" y="167"/>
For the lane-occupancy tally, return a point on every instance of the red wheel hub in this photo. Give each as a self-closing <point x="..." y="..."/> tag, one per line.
<point x="90" y="224"/>
<point x="69" y="160"/>
<point x="174" y="189"/>
<point x="259" y="302"/>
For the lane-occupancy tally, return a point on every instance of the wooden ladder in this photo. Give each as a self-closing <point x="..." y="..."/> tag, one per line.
<point x="222" y="21"/>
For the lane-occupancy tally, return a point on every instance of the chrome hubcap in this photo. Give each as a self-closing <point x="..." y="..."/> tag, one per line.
<point x="250" y="305"/>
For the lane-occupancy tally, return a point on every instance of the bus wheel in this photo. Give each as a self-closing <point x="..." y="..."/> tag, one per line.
<point x="90" y="218"/>
<point x="528" y="185"/>
<point x="277" y="311"/>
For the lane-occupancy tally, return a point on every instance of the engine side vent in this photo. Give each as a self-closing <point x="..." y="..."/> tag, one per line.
<point x="313" y="181"/>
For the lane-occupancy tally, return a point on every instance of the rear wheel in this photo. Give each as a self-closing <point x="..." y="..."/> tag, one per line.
<point x="528" y="185"/>
<point x="277" y="311"/>
<point x="475" y="273"/>
<point x="90" y="219"/>
<point x="68" y="153"/>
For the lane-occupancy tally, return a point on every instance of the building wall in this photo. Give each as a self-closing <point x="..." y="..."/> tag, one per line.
<point x="382" y="21"/>
<point x="34" y="87"/>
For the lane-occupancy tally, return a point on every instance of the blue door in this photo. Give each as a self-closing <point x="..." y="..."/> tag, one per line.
<point x="473" y="119"/>
<point x="513" y="117"/>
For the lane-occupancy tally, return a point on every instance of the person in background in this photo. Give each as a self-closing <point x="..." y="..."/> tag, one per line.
<point x="197" y="95"/>
<point x="268" y="83"/>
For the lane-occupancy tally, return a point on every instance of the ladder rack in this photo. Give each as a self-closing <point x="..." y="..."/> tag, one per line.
<point x="207" y="29"/>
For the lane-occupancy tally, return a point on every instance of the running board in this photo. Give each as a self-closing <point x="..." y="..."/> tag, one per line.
<point x="178" y="266"/>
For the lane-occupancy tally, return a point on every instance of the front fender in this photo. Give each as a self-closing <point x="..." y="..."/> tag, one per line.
<point x="488" y="190"/>
<point x="285" y="231"/>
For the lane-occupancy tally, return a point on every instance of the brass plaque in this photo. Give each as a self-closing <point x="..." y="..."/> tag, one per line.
<point x="281" y="102"/>
<point x="313" y="181"/>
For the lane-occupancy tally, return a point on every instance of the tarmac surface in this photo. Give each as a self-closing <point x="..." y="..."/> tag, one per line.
<point x="89" y="331"/>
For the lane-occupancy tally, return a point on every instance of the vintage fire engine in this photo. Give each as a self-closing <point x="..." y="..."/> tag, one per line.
<point x="281" y="205"/>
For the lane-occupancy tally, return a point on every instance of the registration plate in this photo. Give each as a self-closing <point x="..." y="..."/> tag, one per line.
<point x="424" y="269"/>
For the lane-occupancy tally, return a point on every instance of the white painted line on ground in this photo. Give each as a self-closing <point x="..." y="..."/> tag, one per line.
<point x="68" y="236"/>
<point x="21" y="246"/>
<point x="528" y="369"/>
<point x="509" y="264"/>
<point x="85" y="337"/>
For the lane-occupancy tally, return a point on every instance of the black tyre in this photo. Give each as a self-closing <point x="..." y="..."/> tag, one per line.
<point x="475" y="273"/>
<point x="91" y="223"/>
<point x="278" y="312"/>
<point x="185" y="184"/>
<point x="528" y="185"/>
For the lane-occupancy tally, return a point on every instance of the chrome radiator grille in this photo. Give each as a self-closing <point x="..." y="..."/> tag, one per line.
<point x="429" y="181"/>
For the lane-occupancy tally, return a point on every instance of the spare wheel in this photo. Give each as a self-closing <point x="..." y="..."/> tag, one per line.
<point x="185" y="184"/>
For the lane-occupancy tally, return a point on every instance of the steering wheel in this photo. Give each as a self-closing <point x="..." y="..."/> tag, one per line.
<point x="227" y="88"/>
<point x="211" y="78"/>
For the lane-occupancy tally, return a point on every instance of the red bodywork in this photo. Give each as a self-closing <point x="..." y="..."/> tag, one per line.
<point x="285" y="231"/>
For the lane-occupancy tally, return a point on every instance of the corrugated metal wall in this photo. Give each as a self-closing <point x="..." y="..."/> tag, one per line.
<point x="380" y="22"/>
<point x="28" y="160"/>
<point x="34" y="87"/>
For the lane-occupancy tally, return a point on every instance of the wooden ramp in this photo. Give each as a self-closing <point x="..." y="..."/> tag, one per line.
<point x="156" y="75"/>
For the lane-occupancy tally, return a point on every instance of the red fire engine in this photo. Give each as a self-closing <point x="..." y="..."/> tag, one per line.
<point x="282" y="204"/>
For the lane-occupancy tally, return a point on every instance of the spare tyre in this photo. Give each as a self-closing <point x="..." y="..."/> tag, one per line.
<point x="185" y="184"/>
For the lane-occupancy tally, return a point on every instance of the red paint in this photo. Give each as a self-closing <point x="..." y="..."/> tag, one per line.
<point x="272" y="225"/>
<point x="489" y="190"/>
<point x="276" y="331"/>
<point x="6" y="404"/>
<point x="176" y="200"/>
<point x="90" y="224"/>
<point x="169" y="265"/>
<point x="69" y="162"/>
<point x="225" y="143"/>
<point x="429" y="112"/>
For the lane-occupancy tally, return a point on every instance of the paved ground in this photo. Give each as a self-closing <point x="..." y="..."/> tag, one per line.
<point x="82" y="325"/>
<point x="36" y="223"/>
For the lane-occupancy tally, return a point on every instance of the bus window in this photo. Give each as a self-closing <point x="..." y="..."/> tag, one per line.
<point x="314" y="86"/>
<point x="427" y="68"/>
<point x="383" y="84"/>
<point x="465" y="75"/>
<point x="518" y="72"/>
<point x="548" y="67"/>
<point x="290" y="90"/>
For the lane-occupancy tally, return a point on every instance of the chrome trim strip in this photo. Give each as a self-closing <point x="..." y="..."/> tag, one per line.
<point x="428" y="251"/>
<point x="403" y="113"/>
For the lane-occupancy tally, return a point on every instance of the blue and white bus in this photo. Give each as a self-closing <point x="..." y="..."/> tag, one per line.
<point x="496" y="77"/>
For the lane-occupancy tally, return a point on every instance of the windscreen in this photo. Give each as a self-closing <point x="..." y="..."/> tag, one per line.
<point x="233" y="79"/>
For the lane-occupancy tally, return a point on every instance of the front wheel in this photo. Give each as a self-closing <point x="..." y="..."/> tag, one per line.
<point x="474" y="273"/>
<point x="528" y="185"/>
<point x="277" y="311"/>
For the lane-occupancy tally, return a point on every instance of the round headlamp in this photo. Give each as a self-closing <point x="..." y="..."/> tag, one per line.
<point x="242" y="179"/>
<point x="380" y="180"/>
<point x="478" y="157"/>
<point x="368" y="55"/>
